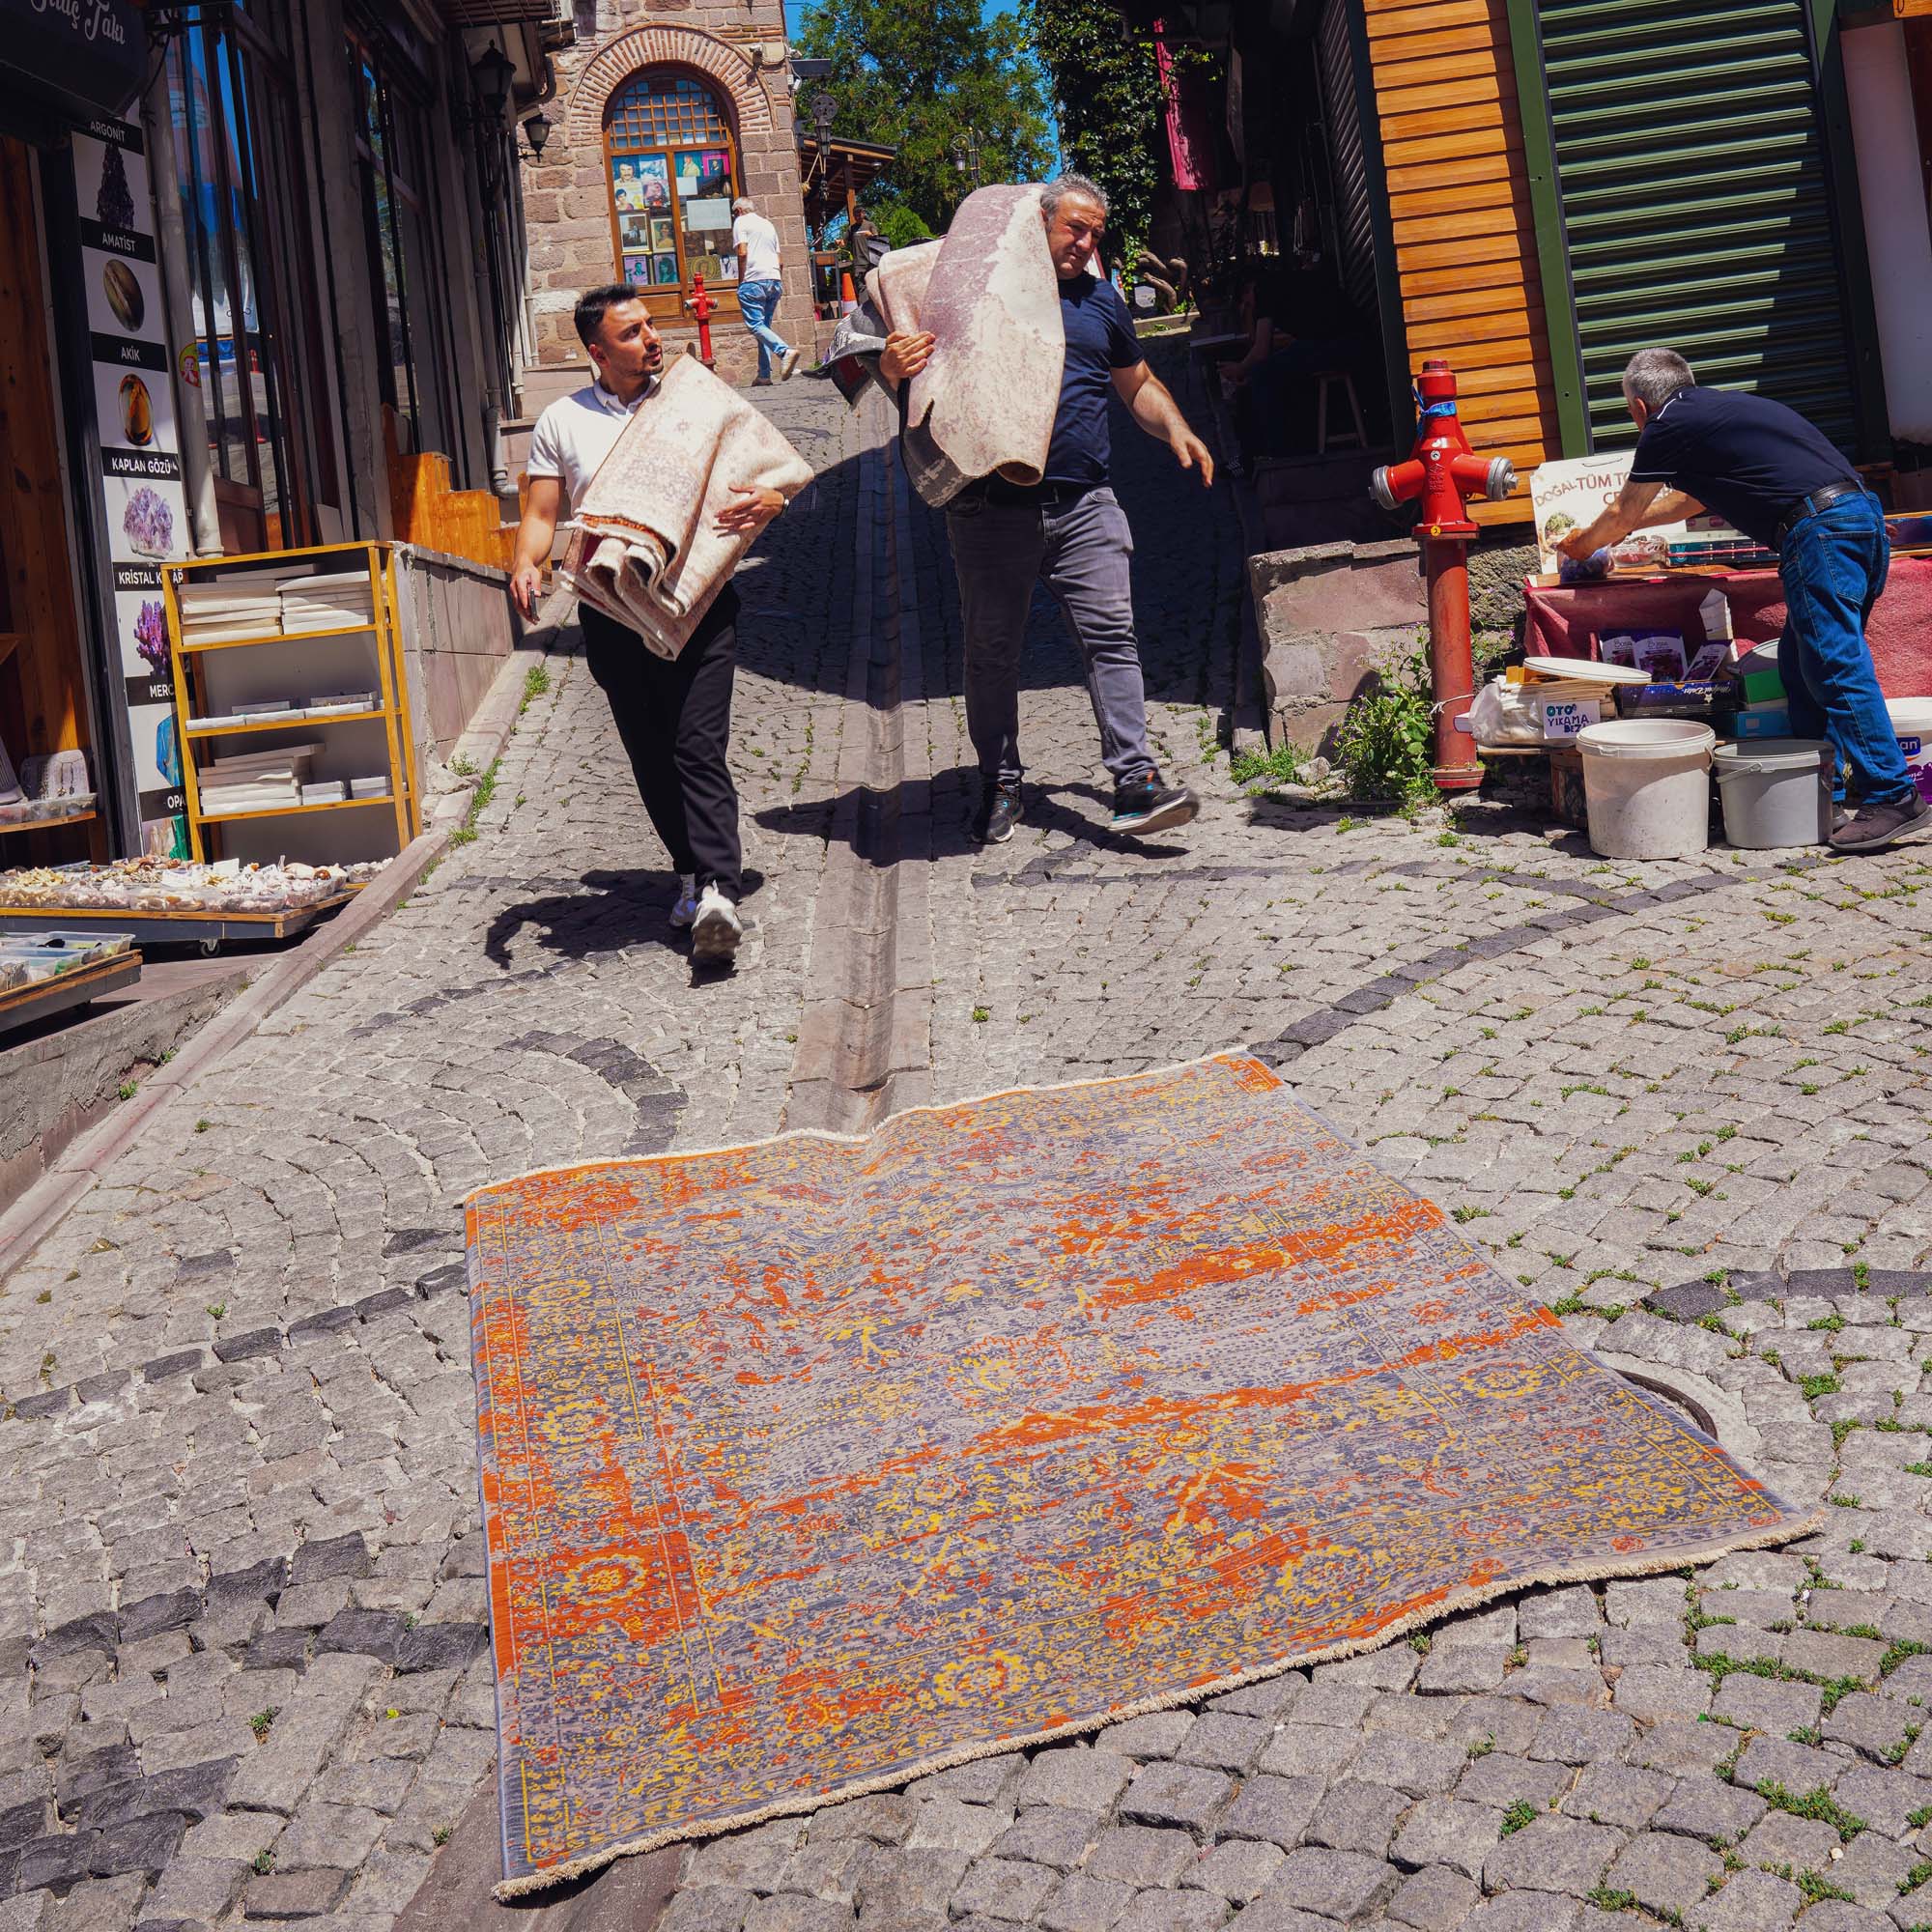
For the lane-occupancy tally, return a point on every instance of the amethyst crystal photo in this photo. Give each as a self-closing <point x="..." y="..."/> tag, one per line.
<point x="148" y="522"/>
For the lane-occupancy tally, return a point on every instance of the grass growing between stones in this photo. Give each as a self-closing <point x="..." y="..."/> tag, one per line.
<point x="1818" y="1805"/>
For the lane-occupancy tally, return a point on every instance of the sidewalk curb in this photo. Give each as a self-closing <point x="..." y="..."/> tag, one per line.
<point x="36" y="1213"/>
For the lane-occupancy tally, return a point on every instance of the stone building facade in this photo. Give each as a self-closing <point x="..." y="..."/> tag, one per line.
<point x="663" y="110"/>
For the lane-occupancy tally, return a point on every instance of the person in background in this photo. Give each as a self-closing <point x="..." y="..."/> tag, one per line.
<point x="1772" y="475"/>
<point x="672" y="714"/>
<point x="759" y="289"/>
<point x="1068" y="530"/>
<point x="1299" y="325"/>
<point x="866" y="245"/>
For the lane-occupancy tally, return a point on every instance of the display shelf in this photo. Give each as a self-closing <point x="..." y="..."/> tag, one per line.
<point x="210" y="681"/>
<point x="21" y="1006"/>
<point x="178" y="927"/>
<point x="197" y="729"/>
<point x="47" y="824"/>
<point x="274" y="637"/>
<point x="289" y="810"/>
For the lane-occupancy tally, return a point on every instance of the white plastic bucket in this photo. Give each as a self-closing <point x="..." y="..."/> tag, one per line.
<point x="1776" y="791"/>
<point x="1647" y="786"/>
<point x="1912" y="721"/>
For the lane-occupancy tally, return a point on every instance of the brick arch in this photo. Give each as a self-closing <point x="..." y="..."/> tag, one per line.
<point x="666" y="47"/>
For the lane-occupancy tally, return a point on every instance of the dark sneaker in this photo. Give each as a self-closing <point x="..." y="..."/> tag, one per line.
<point x="1873" y="827"/>
<point x="999" y="812"/>
<point x="1145" y="804"/>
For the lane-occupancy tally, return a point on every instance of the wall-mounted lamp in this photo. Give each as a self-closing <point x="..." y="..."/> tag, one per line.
<point x="494" y="71"/>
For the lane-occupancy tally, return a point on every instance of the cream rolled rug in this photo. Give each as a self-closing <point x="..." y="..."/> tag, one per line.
<point x="984" y="404"/>
<point x="646" y="549"/>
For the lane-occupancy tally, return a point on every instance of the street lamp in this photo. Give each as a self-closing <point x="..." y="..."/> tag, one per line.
<point x="537" y="130"/>
<point x="966" y="153"/>
<point x="494" y="70"/>
<point x="824" y="111"/>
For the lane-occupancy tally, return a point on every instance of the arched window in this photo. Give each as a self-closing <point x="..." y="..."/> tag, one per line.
<point x="673" y="170"/>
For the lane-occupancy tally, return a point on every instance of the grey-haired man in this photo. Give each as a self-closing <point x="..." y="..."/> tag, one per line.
<point x="1778" y="479"/>
<point x="1068" y="531"/>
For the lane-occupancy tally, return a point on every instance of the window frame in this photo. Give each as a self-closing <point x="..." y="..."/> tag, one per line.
<point x="666" y="303"/>
<point x="246" y="82"/>
<point x="421" y="350"/>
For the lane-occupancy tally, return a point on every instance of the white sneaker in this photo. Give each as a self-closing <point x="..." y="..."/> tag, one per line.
<point x="788" y="362"/>
<point x="716" y="930"/>
<point x="684" y="908"/>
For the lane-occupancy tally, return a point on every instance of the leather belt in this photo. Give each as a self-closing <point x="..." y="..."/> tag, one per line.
<point x="998" y="490"/>
<point x="1809" y="506"/>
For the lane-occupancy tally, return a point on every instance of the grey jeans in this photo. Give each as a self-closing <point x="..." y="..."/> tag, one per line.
<point x="1082" y="550"/>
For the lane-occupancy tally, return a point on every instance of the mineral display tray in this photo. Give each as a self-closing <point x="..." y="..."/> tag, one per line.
<point x="24" y="1005"/>
<point x="177" y="928"/>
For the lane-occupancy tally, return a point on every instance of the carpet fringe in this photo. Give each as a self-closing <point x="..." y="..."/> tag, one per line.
<point x="1615" y="1570"/>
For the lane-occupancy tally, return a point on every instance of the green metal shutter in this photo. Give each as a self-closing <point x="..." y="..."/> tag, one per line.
<point x="1691" y="180"/>
<point x="1348" y="165"/>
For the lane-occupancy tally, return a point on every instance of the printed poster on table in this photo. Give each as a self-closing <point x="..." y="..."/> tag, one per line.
<point x="1572" y="491"/>
<point x="140" y="453"/>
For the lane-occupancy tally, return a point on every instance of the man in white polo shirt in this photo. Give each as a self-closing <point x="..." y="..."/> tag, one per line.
<point x="759" y="289"/>
<point x="672" y="714"/>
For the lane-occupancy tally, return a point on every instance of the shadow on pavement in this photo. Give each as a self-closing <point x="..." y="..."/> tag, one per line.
<point x="947" y="803"/>
<point x="618" y="909"/>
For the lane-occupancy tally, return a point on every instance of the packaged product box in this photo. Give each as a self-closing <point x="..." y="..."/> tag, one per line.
<point x="1659" y="652"/>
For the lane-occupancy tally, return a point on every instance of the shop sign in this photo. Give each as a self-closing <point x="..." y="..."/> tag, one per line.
<point x="90" y="54"/>
<point x="143" y="500"/>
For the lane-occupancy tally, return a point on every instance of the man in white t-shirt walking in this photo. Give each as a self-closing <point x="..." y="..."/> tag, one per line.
<point x="672" y="714"/>
<point x="759" y="289"/>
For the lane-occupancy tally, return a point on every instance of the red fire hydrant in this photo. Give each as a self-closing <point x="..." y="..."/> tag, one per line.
<point x="703" y="307"/>
<point x="1444" y="471"/>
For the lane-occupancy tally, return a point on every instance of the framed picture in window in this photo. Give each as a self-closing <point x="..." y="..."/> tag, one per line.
<point x="667" y="270"/>
<point x="727" y="265"/>
<point x="638" y="270"/>
<point x="714" y="171"/>
<point x="654" y="183"/>
<point x="661" y="237"/>
<point x="634" y="231"/>
<point x="626" y="191"/>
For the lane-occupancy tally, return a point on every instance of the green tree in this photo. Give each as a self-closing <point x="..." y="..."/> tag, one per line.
<point x="920" y="74"/>
<point x="1106" y="88"/>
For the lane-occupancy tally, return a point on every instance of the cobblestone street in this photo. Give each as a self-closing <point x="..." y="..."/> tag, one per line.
<point x="242" y="1604"/>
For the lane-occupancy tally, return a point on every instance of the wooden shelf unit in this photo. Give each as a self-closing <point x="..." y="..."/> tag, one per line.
<point x="190" y="683"/>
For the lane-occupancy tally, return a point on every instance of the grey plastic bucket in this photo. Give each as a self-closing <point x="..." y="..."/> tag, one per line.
<point x="1776" y="791"/>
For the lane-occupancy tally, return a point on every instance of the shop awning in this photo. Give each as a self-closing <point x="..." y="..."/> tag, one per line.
<point x="849" y="169"/>
<point x="505" y="13"/>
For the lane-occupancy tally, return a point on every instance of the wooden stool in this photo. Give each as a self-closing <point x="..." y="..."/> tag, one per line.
<point x="1357" y="438"/>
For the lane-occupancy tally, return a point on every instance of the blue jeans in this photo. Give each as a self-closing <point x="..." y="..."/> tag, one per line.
<point x="1083" y="549"/>
<point x="1834" y="565"/>
<point x="757" y="304"/>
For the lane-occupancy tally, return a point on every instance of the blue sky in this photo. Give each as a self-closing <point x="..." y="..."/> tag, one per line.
<point x="795" y="9"/>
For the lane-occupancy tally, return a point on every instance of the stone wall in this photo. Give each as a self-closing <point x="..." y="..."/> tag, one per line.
<point x="458" y="626"/>
<point x="1331" y="614"/>
<point x="728" y="44"/>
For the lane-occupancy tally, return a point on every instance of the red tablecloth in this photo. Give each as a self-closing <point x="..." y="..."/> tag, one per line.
<point x="1565" y="620"/>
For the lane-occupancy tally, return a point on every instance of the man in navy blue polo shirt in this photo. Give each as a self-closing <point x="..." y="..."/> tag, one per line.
<point x="1770" y="474"/>
<point x="1068" y="530"/>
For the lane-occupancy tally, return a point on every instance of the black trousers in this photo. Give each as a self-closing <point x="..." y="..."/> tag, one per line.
<point x="674" y="718"/>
